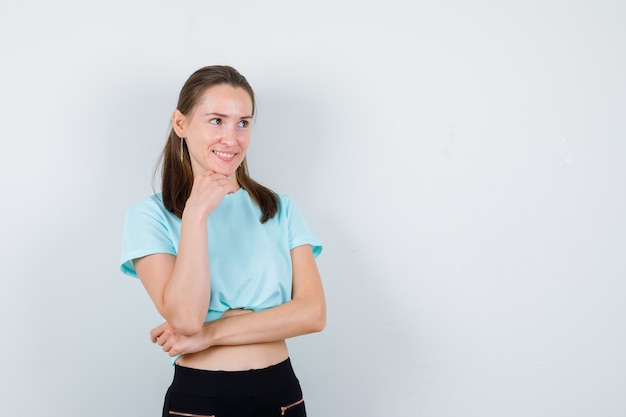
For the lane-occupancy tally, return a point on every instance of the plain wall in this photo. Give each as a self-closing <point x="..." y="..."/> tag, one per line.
<point x="463" y="162"/>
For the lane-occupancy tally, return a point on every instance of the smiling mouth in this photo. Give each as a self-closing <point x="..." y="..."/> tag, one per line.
<point x="224" y="155"/>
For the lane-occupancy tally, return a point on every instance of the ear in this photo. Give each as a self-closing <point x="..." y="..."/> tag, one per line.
<point x="179" y="123"/>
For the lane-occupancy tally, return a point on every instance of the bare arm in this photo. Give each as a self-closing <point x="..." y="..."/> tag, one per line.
<point x="180" y="286"/>
<point x="305" y="313"/>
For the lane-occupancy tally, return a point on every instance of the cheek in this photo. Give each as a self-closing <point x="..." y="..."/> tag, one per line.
<point x="244" y="142"/>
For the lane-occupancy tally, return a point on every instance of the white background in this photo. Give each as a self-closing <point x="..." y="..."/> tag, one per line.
<point x="463" y="162"/>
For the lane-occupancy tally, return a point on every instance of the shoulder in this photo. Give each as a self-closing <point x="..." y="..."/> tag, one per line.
<point x="152" y="201"/>
<point x="286" y="205"/>
<point x="150" y="210"/>
<point x="288" y="208"/>
<point x="285" y="201"/>
<point x="151" y="204"/>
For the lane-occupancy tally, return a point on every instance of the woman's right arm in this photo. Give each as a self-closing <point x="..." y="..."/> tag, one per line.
<point x="180" y="286"/>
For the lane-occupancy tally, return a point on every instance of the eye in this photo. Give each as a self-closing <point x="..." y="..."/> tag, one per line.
<point x="243" y="124"/>
<point x="216" y="121"/>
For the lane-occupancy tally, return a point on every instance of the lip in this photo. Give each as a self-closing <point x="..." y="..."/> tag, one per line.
<point x="224" y="155"/>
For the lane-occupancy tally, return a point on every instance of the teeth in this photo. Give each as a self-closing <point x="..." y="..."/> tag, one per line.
<point x="224" y="154"/>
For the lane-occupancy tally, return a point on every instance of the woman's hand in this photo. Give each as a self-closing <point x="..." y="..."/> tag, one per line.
<point x="174" y="343"/>
<point x="208" y="191"/>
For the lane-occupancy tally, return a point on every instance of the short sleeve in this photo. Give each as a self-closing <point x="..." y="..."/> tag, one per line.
<point x="146" y="232"/>
<point x="300" y="233"/>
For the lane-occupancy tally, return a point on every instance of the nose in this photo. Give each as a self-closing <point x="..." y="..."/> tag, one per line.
<point x="229" y="136"/>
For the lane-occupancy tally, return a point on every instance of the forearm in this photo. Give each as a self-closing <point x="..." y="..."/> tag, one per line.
<point x="188" y="291"/>
<point x="305" y="313"/>
<point x="294" y="318"/>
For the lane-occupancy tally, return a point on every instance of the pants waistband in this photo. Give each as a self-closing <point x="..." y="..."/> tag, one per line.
<point x="251" y="382"/>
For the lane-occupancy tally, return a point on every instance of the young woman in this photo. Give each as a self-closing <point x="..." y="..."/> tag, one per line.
<point x="228" y="263"/>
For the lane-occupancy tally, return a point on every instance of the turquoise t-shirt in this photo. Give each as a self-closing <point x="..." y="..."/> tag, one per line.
<point x="249" y="261"/>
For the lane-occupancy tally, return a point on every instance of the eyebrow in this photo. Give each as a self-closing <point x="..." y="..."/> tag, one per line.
<point x="225" y="115"/>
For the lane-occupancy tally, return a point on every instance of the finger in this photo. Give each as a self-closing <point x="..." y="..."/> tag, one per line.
<point x="154" y="335"/>
<point x="159" y="329"/>
<point x="214" y="176"/>
<point x="167" y="345"/>
<point x="162" y="340"/>
<point x="176" y="348"/>
<point x="223" y="178"/>
<point x="156" y="332"/>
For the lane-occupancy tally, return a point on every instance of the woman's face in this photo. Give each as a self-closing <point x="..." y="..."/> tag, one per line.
<point x="217" y="130"/>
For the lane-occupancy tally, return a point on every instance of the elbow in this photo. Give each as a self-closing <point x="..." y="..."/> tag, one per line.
<point x="187" y="329"/>
<point x="186" y="320"/>
<point x="186" y="325"/>
<point x="317" y="317"/>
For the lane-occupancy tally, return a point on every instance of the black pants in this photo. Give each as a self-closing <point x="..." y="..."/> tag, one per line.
<point x="268" y="392"/>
